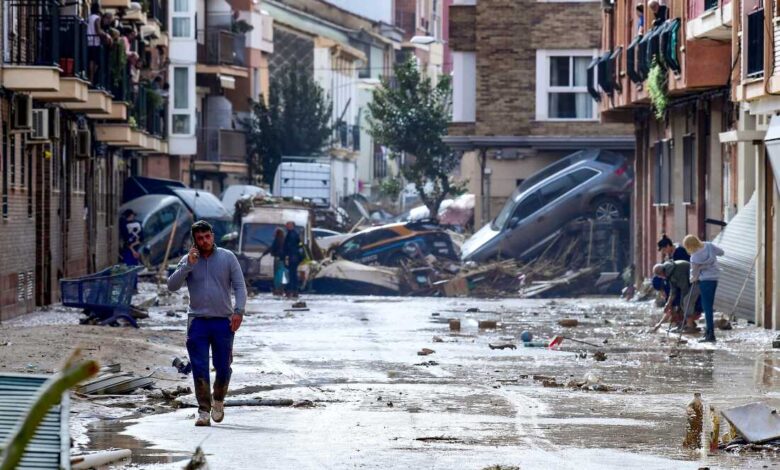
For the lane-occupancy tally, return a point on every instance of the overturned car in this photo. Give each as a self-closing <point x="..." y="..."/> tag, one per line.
<point x="389" y="245"/>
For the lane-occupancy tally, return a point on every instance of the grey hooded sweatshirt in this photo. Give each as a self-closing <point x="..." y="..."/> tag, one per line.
<point x="704" y="263"/>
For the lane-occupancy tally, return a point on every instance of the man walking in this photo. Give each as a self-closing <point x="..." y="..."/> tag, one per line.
<point x="292" y="257"/>
<point x="210" y="272"/>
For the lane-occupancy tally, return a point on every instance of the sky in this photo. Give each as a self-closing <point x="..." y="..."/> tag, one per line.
<point x="378" y="10"/>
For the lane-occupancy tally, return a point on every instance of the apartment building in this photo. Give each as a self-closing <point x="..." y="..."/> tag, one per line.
<point x="755" y="85"/>
<point x="73" y="122"/>
<point x="520" y="97"/>
<point x="684" y="176"/>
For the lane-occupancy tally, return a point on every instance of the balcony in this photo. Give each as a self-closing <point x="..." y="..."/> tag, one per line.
<point x="224" y="53"/>
<point x="32" y="55"/>
<point x="709" y="20"/>
<point x="73" y="63"/>
<point x="690" y="66"/>
<point x="149" y="111"/>
<point x="222" y="146"/>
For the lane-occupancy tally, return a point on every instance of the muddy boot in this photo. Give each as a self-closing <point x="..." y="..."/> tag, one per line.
<point x="218" y="407"/>
<point x="203" y="419"/>
<point x="203" y="395"/>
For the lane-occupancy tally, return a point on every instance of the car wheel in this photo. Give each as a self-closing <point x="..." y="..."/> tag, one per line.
<point x="607" y="208"/>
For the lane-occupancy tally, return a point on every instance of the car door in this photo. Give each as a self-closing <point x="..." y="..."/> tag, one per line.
<point x="516" y="238"/>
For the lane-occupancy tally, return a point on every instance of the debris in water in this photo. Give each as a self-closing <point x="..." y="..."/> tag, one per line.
<point x="756" y="422"/>
<point x="436" y="339"/>
<point x="568" y="322"/>
<point x="454" y="324"/>
<point x="502" y="346"/>
<point x="723" y="324"/>
<point x="599" y="356"/>
<point x="695" y="413"/>
<point x="487" y="324"/>
<point x="714" y="440"/>
<point x="526" y="336"/>
<point x="472" y="310"/>
<point x="198" y="461"/>
<point x="437" y="439"/>
<point x="428" y="363"/>
<point x="182" y="365"/>
<point x="425" y="352"/>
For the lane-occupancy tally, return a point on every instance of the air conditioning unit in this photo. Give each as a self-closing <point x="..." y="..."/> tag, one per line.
<point x="22" y="112"/>
<point x="40" y="124"/>
<point x="83" y="143"/>
<point x="54" y="123"/>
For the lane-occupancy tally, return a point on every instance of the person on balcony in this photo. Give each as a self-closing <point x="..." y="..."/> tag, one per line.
<point x="96" y="37"/>
<point x="640" y="18"/>
<point x="660" y="12"/>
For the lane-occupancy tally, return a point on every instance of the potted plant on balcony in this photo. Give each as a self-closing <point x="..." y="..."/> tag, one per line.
<point x="657" y="89"/>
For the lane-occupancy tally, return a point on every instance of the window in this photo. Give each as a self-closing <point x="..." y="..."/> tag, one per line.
<point x="181" y="100"/>
<point x="182" y="21"/>
<point x="689" y="168"/>
<point x="528" y="206"/>
<point x="662" y="174"/>
<point x="755" y="44"/>
<point x="562" y="79"/>
<point x="582" y="175"/>
<point x="556" y="188"/>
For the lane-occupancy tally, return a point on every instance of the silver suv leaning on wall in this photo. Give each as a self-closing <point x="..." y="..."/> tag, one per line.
<point x="588" y="183"/>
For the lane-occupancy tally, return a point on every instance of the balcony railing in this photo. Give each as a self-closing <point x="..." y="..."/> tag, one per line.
<point x="99" y="63"/>
<point x="755" y="44"/>
<point x="32" y="28"/>
<point x="149" y="111"/>
<point x="158" y="9"/>
<point x="225" y="48"/>
<point x="222" y="145"/>
<point x="73" y="47"/>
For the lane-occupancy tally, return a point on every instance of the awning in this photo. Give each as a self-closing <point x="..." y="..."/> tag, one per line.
<point x="550" y="142"/>
<point x="738" y="240"/>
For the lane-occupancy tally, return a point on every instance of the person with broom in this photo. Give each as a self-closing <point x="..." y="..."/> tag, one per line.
<point x="705" y="271"/>
<point x="677" y="273"/>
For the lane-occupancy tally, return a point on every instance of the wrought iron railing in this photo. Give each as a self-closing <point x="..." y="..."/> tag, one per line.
<point x="74" y="61"/>
<point x="32" y="28"/>
<point x="225" y="48"/>
<point x="222" y="145"/>
<point x="148" y="110"/>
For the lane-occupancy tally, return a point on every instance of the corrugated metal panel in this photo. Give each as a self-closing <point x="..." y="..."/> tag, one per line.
<point x="738" y="240"/>
<point x="50" y="447"/>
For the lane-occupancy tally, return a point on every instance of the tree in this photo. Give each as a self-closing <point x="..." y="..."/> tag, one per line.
<point x="409" y="114"/>
<point x="294" y="121"/>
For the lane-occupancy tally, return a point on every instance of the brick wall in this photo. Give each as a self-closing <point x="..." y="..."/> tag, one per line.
<point x="505" y="36"/>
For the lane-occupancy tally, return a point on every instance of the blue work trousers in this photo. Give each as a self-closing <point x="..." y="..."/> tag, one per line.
<point x="708" y="302"/>
<point x="202" y="334"/>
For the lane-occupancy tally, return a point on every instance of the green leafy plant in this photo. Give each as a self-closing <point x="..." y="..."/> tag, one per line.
<point x="295" y="120"/>
<point x="76" y="370"/>
<point x="132" y="122"/>
<point x="657" y="89"/>
<point x="409" y="114"/>
<point x="391" y="188"/>
<point x="118" y="61"/>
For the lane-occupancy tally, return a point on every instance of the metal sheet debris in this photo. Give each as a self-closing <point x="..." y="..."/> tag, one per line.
<point x="756" y="422"/>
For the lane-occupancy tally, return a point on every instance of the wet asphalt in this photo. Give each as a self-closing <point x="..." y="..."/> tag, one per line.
<point x="376" y="403"/>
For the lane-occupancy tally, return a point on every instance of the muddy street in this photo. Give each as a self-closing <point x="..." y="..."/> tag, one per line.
<point x="365" y="398"/>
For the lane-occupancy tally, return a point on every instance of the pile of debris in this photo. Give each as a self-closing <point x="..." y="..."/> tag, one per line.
<point x="583" y="258"/>
<point x="582" y="250"/>
<point x="112" y="381"/>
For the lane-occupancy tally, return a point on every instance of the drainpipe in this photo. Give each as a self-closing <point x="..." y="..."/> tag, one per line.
<point x="482" y="165"/>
